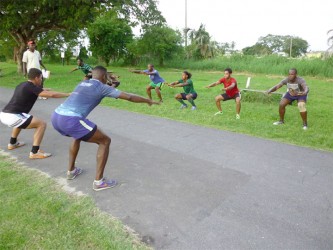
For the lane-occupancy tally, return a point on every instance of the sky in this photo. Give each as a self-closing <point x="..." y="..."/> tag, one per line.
<point x="244" y="22"/>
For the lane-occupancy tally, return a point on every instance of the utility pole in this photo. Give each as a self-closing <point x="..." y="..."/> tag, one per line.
<point x="291" y="46"/>
<point x="186" y="29"/>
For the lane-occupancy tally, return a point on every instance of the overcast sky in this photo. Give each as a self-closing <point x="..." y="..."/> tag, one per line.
<point x="244" y="21"/>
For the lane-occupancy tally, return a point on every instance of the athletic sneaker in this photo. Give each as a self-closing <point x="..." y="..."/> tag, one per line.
<point x="219" y="113"/>
<point x="305" y="126"/>
<point x="39" y="155"/>
<point x="184" y="106"/>
<point x="16" y="145"/>
<point x="194" y="108"/>
<point x="237" y="116"/>
<point x="105" y="184"/>
<point x="71" y="176"/>
<point x="278" y="123"/>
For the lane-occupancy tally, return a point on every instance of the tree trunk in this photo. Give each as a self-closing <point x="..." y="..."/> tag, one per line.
<point x="19" y="56"/>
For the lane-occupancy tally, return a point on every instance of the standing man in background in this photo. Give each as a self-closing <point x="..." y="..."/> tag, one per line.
<point x="32" y="59"/>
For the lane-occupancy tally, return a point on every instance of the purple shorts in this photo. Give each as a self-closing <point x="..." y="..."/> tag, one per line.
<point x="73" y="126"/>
<point x="194" y="96"/>
<point x="293" y="98"/>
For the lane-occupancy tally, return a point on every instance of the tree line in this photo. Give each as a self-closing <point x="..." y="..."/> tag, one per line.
<point x="64" y="24"/>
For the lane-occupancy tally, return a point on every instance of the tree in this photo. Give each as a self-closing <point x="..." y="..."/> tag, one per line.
<point x="294" y="46"/>
<point x="201" y="44"/>
<point x="257" y="50"/>
<point x="24" y="20"/>
<point x="160" y="42"/>
<point x="109" y="36"/>
<point x="278" y="44"/>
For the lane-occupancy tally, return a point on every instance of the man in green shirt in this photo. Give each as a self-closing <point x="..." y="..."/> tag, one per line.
<point x="86" y="68"/>
<point x="189" y="93"/>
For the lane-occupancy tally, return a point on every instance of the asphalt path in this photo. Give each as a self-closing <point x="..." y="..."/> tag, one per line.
<point x="188" y="187"/>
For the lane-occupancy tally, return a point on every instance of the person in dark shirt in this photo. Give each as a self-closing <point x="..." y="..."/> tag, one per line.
<point x="16" y="113"/>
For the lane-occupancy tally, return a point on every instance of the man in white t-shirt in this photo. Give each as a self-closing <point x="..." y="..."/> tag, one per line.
<point x="32" y="59"/>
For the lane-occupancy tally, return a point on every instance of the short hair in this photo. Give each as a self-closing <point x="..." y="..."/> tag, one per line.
<point x="293" y="69"/>
<point x="229" y="70"/>
<point x="33" y="73"/>
<point x="98" y="72"/>
<point x="189" y="75"/>
<point x="151" y="65"/>
<point x="79" y="59"/>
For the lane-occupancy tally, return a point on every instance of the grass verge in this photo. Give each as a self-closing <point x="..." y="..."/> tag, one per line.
<point x="35" y="213"/>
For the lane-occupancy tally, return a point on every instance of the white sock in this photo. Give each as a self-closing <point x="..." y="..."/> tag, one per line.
<point x="99" y="182"/>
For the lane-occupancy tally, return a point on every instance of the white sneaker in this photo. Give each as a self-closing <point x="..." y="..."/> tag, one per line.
<point x="305" y="127"/>
<point x="237" y="116"/>
<point x="278" y="123"/>
<point x="184" y="106"/>
<point x="194" y="108"/>
<point x="219" y="113"/>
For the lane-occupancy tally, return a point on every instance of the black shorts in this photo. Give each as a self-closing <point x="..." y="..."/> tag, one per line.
<point x="227" y="98"/>
<point x="194" y="96"/>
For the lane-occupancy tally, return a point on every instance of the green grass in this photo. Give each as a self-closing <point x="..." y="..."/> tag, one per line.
<point x="257" y="115"/>
<point x="36" y="214"/>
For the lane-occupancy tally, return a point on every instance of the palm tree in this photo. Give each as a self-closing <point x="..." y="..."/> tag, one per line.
<point x="201" y="43"/>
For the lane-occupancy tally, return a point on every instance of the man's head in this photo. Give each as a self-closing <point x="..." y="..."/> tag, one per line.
<point x="150" y="67"/>
<point x="35" y="76"/>
<point x="31" y="45"/>
<point x="292" y="74"/>
<point x="100" y="73"/>
<point x="79" y="62"/>
<point x="227" y="72"/>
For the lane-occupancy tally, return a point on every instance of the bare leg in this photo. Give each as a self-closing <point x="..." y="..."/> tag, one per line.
<point x="304" y="117"/>
<point x="158" y="92"/>
<point x="15" y="132"/>
<point x="238" y="105"/>
<point x="282" y="108"/>
<point x="73" y="151"/>
<point x="103" y="142"/>
<point x="148" y="90"/>
<point x="40" y="127"/>
<point x="218" y="100"/>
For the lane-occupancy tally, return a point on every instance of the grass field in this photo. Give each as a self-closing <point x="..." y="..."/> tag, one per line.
<point x="257" y="114"/>
<point x="36" y="214"/>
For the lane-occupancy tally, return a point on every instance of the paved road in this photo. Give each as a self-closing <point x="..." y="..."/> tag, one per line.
<point x="188" y="187"/>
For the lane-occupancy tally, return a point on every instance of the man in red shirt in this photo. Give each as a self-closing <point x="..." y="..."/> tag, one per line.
<point x="231" y="92"/>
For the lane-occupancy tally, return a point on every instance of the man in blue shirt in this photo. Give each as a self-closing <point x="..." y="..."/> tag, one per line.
<point x="155" y="78"/>
<point x="69" y="119"/>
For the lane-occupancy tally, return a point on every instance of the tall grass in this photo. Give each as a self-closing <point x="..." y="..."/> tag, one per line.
<point x="273" y="64"/>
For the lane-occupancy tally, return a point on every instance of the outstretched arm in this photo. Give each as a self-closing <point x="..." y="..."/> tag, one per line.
<point x="73" y="70"/>
<point x="136" y="98"/>
<point x="173" y="84"/>
<point x="138" y="72"/>
<point x="212" y="84"/>
<point x="275" y="88"/>
<point x="53" y="94"/>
